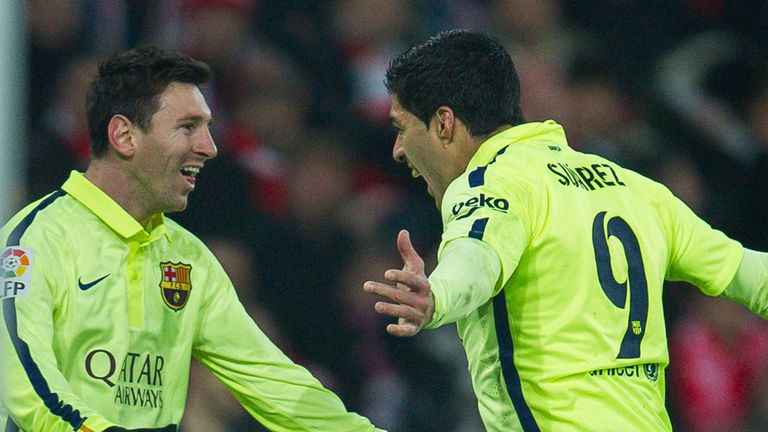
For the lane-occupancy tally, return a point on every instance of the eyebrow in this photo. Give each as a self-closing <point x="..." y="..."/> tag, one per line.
<point x="194" y="118"/>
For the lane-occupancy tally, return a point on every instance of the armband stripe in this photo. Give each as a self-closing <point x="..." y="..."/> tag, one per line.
<point x="478" y="228"/>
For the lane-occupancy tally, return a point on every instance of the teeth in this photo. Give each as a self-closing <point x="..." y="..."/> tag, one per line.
<point x="191" y="170"/>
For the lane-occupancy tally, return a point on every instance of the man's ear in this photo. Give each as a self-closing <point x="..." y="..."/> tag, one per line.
<point x="119" y="133"/>
<point x="446" y="123"/>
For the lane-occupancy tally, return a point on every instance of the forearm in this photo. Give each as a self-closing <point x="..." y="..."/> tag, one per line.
<point x="750" y="284"/>
<point x="464" y="279"/>
<point x="33" y="391"/>
<point x="279" y="393"/>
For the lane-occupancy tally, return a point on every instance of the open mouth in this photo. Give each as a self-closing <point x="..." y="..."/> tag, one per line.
<point x="414" y="172"/>
<point x="189" y="173"/>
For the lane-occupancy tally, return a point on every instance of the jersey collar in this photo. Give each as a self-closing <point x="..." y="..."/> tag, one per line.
<point x="520" y="133"/>
<point x="110" y="212"/>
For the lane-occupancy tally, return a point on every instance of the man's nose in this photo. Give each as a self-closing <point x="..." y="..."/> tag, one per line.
<point x="398" y="154"/>
<point x="207" y="147"/>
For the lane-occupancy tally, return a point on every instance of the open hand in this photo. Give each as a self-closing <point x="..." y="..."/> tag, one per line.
<point x="413" y="302"/>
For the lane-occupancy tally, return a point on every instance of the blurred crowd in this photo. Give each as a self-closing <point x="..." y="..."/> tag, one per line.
<point x="304" y="202"/>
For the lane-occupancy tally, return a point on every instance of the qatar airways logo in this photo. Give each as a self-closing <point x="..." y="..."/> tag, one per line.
<point x="137" y="378"/>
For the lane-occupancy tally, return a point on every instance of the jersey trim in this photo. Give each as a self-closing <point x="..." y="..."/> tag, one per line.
<point x="10" y="426"/>
<point x="15" y="238"/>
<point x="478" y="228"/>
<point x="477" y="177"/>
<point x="508" y="369"/>
<point x="36" y="378"/>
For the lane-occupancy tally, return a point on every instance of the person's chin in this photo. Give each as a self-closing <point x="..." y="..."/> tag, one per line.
<point x="179" y="205"/>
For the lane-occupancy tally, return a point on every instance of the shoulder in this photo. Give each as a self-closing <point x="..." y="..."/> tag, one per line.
<point x="42" y="221"/>
<point x="507" y="183"/>
<point x="180" y="235"/>
<point x="181" y="239"/>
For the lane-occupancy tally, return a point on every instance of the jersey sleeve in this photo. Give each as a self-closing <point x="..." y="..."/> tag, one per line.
<point x="497" y="211"/>
<point x="35" y="394"/>
<point x="463" y="280"/>
<point x="750" y="284"/>
<point x="279" y="393"/>
<point x="699" y="254"/>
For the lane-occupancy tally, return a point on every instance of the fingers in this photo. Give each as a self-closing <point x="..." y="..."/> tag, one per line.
<point x="410" y="281"/>
<point x="409" y="323"/>
<point x="403" y="330"/>
<point x="411" y="258"/>
<point x="390" y="292"/>
<point x="405" y="312"/>
<point x="413" y="304"/>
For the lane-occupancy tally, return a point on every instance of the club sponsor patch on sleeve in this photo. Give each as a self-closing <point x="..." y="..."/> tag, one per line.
<point x="16" y="268"/>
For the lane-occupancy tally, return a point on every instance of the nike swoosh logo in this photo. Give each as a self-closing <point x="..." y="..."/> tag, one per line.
<point x="89" y="285"/>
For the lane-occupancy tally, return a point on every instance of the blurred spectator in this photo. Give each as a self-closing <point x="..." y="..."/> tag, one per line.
<point x="711" y="86"/>
<point x="218" y="32"/>
<point x="60" y="140"/>
<point x="269" y="122"/>
<point x="438" y="15"/>
<point x="754" y="208"/>
<point x="635" y="33"/>
<point x="682" y="78"/>
<point x="720" y="359"/>
<point x="302" y="30"/>
<point x="542" y="46"/>
<point x="606" y="119"/>
<point x="304" y="253"/>
<point x="380" y="387"/>
<point x="371" y="33"/>
<point x="56" y="36"/>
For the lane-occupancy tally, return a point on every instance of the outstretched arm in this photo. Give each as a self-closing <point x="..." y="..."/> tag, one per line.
<point x="279" y="393"/>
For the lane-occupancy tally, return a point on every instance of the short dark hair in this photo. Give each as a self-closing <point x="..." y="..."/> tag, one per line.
<point x="130" y="83"/>
<point x="469" y="72"/>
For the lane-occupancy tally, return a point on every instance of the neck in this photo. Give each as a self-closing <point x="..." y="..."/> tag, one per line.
<point x="118" y="185"/>
<point x="467" y="146"/>
<point x="498" y="130"/>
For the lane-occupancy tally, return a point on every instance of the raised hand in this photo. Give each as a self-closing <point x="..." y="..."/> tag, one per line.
<point x="413" y="302"/>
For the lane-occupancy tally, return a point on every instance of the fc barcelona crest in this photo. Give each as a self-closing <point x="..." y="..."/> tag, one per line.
<point x="175" y="284"/>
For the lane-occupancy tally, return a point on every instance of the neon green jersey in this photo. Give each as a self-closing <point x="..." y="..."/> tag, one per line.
<point x="573" y="338"/>
<point x="100" y="319"/>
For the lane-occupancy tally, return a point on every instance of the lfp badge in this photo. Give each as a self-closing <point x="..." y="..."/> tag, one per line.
<point x="175" y="284"/>
<point x="15" y="269"/>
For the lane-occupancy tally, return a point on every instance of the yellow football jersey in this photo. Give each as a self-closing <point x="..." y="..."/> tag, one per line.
<point x="574" y="337"/>
<point x="102" y="318"/>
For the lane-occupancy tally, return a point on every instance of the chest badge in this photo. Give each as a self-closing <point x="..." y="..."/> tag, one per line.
<point x="175" y="284"/>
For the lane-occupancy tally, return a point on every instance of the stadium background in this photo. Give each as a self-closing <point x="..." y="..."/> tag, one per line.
<point x="304" y="201"/>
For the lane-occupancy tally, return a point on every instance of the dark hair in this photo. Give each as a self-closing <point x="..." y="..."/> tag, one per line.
<point x="469" y="72"/>
<point x="130" y="83"/>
